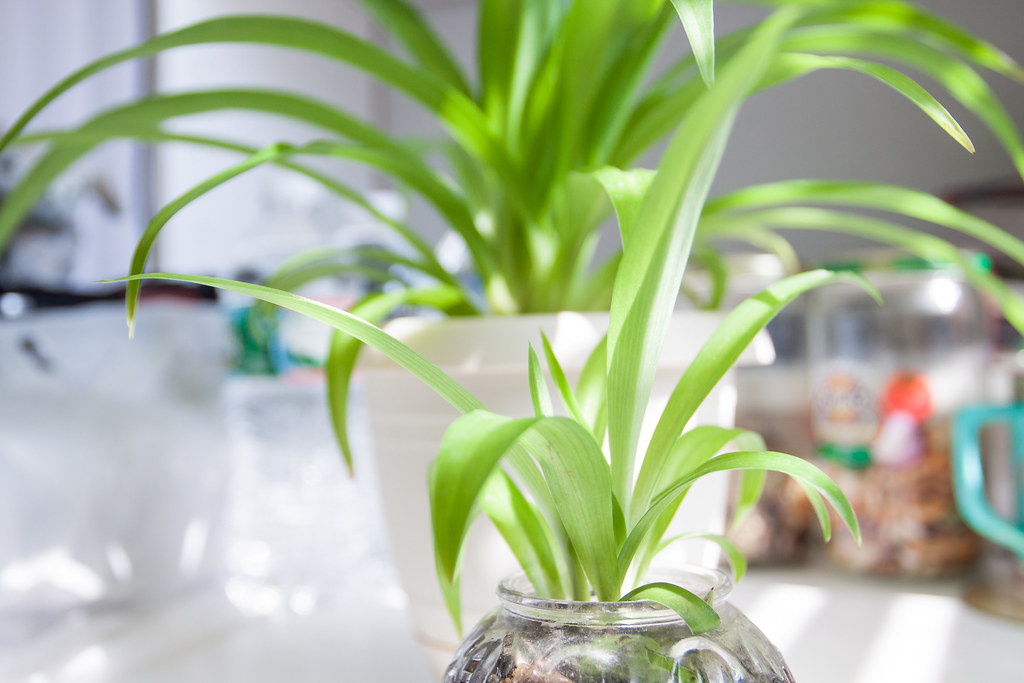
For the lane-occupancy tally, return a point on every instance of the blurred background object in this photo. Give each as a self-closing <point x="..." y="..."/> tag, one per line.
<point x="885" y="382"/>
<point x="111" y="459"/>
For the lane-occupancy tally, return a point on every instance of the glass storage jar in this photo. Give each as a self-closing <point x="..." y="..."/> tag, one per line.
<point x="538" y="640"/>
<point x="885" y="381"/>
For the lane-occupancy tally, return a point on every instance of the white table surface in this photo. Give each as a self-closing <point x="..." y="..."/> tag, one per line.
<point x="832" y="628"/>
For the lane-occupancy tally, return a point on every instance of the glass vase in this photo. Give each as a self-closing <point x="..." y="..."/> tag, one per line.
<point x="538" y="640"/>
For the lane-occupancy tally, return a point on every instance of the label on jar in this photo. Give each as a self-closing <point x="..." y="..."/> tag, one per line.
<point x="855" y="427"/>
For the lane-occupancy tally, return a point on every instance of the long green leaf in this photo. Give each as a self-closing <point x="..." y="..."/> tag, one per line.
<point x="407" y="24"/>
<point x="442" y="384"/>
<point x="920" y="244"/>
<point x="627" y="190"/>
<point x="592" y="390"/>
<point x="735" y="556"/>
<point x="344" y="349"/>
<point x="909" y="19"/>
<point x="470" y="451"/>
<point x="614" y="102"/>
<point x="561" y="382"/>
<point x="799" y="469"/>
<point x="652" y="268"/>
<point x="699" y="21"/>
<point x="279" y="151"/>
<point x="962" y="82"/>
<point x="572" y="465"/>
<point x="463" y="119"/>
<point x="141" y="119"/>
<point x="269" y="30"/>
<point x="884" y="197"/>
<point x="526" y="532"/>
<point x="715" y="358"/>
<point x="899" y="82"/>
<point x="580" y="484"/>
<point x="694" y="448"/>
<point x="433" y="377"/>
<point x="539" y="394"/>
<point x="698" y="614"/>
<point x="88" y="138"/>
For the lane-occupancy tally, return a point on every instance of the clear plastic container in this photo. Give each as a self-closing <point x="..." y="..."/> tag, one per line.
<point x="885" y="381"/>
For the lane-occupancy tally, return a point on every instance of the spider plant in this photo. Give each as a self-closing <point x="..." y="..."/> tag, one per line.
<point x="567" y="98"/>
<point x="580" y="521"/>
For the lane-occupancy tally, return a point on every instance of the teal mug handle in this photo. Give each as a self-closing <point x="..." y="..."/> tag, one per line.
<point x="969" y="473"/>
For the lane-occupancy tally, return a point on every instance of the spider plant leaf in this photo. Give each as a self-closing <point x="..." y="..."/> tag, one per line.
<point x="615" y="100"/>
<point x="712" y="362"/>
<point x="820" y="510"/>
<point x="458" y="113"/>
<point x="892" y="78"/>
<point x="737" y="560"/>
<point x="398" y="165"/>
<point x="627" y="190"/>
<point x="429" y="265"/>
<point x="303" y="267"/>
<point x="962" y="82"/>
<point x="592" y="390"/>
<point x="751" y="487"/>
<point x="527" y="533"/>
<point x="436" y="379"/>
<point x="763" y="239"/>
<point x="407" y="24"/>
<point x="713" y="263"/>
<point x="561" y="382"/>
<point x="691" y="450"/>
<point x="618" y="522"/>
<point x="572" y="464"/>
<point x="498" y="32"/>
<point x="513" y="37"/>
<point x="597" y="294"/>
<point x="751" y="481"/>
<point x="580" y="484"/>
<point x="654" y="117"/>
<point x="149" y="235"/>
<point x="696" y="612"/>
<point x="141" y="119"/>
<point x="698" y="19"/>
<point x="540" y="19"/>
<point x="470" y="452"/>
<point x="652" y="268"/>
<point x="275" y="30"/>
<point x="799" y="469"/>
<point x="923" y="245"/>
<point x="915" y="21"/>
<point x="883" y="197"/>
<point x="539" y="394"/>
<point x="344" y="349"/>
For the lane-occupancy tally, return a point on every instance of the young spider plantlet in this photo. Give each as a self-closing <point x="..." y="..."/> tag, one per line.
<point x="546" y="481"/>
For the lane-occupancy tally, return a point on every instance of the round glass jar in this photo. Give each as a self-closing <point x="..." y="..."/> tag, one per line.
<point x="885" y="381"/>
<point x="539" y="640"/>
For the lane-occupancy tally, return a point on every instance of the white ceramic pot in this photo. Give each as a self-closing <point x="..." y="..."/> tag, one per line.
<point x="488" y="356"/>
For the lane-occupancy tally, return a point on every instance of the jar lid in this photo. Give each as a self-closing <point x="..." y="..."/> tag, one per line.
<point x="902" y="262"/>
